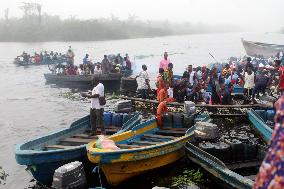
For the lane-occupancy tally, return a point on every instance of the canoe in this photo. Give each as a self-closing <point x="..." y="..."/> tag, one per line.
<point x="261" y="49"/>
<point x="43" y="155"/>
<point x="252" y="157"/>
<point x="110" y="80"/>
<point x="143" y="148"/>
<point x="259" y="123"/>
<point x="24" y="63"/>
<point x="216" y="167"/>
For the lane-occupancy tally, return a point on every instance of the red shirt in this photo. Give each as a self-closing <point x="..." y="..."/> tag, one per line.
<point x="281" y="78"/>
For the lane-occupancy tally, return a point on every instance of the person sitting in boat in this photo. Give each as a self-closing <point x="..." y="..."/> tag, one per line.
<point x="71" y="70"/>
<point x="80" y="70"/>
<point x="280" y="70"/>
<point x="165" y="61"/>
<point x="98" y="69"/>
<point x="144" y="85"/>
<point x="180" y="88"/>
<point x="197" y="92"/>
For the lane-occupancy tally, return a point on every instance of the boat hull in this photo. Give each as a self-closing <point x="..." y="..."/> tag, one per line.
<point x="264" y="130"/>
<point x="120" y="165"/>
<point x="42" y="163"/>
<point x="117" y="173"/>
<point x="110" y="81"/>
<point x="261" y="49"/>
<point x="216" y="167"/>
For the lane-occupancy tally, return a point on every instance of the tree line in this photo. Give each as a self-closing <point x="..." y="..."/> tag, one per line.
<point x="36" y="26"/>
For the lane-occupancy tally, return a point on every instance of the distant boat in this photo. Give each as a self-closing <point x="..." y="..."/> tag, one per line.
<point x="266" y="50"/>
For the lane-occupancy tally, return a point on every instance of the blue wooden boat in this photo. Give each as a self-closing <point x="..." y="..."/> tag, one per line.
<point x="258" y="119"/>
<point x="142" y="148"/>
<point x="45" y="154"/>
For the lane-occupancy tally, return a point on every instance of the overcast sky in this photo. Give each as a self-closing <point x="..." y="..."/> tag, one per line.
<point x="264" y="15"/>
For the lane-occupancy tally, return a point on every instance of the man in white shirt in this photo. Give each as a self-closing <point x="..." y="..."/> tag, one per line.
<point x="97" y="110"/>
<point x="144" y="82"/>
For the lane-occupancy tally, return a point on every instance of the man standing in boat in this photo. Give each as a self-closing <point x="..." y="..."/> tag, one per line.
<point x="165" y="61"/>
<point x="97" y="110"/>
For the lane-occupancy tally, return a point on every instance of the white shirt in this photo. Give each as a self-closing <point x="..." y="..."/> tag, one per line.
<point x="99" y="89"/>
<point x="249" y="80"/>
<point x="143" y="76"/>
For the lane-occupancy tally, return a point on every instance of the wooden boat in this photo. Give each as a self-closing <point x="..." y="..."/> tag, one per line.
<point x="260" y="125"/>
<point x="261" y="49"/>
<point x="143" y="148"/>
<point x="223" y="171"/>
<point x="110" y="80"/>
<point x="216" y="167"/>
<point x="45" y="154"/>
<point x="24" y="63"/>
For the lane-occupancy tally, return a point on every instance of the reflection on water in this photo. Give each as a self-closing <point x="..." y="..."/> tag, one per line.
<point x="30" y="108"/>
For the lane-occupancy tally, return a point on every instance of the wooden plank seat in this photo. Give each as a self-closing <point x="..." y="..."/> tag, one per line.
<point x="143" y="142"/>
<point x="85" y="136"/>
<point x="54" y="147"/>
<point x="174" y="129"/>
<point x="159" y="136"/>
<point x="74" y="141"/>
<point x="128" y="146"/>
<point x="106" y="128"/>
<point x="170" y="132"/>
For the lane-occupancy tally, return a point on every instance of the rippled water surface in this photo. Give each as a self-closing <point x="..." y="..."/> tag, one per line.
<point x="30" y="108"/>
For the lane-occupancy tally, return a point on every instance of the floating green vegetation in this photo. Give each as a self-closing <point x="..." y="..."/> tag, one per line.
<point x="72" y="96"/>
<point x="112" y="96"/>
<point x="188" y="177"/>
<point x="3" y="176"/>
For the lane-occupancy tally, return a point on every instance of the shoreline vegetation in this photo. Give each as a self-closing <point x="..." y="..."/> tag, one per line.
<point x="35" y="26"/>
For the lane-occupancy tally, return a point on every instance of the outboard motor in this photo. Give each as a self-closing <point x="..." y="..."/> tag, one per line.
<point x="71" y="175"/>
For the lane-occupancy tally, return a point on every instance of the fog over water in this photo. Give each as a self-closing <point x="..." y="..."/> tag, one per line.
<point x="253" y="15"/>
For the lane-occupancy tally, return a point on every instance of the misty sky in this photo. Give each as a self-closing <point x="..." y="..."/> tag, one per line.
<point x="264" y="15"/>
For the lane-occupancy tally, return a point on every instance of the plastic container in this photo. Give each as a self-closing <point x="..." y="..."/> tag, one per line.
<point x="177" y="120"/>
<point x="223" y="151"/>
<point x="250" y="151"/>
<point x="270" y="115"/>
<point x="237" y="149"/>
<point x="107" y="118"/>
<point x="189" y="107"/>
<point x="116" y="120"/>
<point x="207" y="147"/>
<point x="168" y="120"/>
<point x="188" y="121"/>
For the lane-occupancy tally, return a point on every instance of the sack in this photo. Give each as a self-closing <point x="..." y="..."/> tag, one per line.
<point x="102" y="101"/>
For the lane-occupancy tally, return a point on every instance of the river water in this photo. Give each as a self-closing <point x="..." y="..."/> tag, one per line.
<point x="30" y="108"/>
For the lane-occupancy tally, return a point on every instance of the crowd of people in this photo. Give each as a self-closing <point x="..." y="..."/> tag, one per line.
<point x="109" y="64"/>
<point x="215" y="84"/>
<point x="46" y="57"/>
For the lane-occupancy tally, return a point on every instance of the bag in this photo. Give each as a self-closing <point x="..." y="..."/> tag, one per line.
<point x="102" y="101"/>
